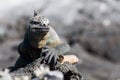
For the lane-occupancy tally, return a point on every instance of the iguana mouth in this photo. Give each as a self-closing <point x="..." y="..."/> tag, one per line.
<point x="40" y="29"/>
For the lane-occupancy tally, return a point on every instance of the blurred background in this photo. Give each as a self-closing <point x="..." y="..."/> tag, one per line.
<point x="91" y="27"/>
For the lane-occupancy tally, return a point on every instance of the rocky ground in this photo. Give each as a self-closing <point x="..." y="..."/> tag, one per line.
<point x="91" y="27"/>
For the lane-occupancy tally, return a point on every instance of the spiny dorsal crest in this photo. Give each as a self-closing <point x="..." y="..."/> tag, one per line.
<point x="41" y="19"/>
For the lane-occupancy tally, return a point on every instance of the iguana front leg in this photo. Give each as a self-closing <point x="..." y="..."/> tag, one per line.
<point x="49" y="56"/>
<point x="54" y="41"/>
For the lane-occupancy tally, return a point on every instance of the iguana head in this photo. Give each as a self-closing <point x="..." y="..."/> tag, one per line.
<point x="37" y="30"/>
<point x="38" y="25"/>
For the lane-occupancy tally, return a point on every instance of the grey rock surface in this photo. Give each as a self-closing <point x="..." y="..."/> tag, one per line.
<point x="93" y="67"/>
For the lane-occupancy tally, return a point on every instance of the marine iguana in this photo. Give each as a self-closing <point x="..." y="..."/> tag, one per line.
<point x="39" y="38"/>
<point x="42" y="43"/>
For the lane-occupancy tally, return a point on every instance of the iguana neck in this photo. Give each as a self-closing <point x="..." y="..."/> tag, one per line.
<point x="35" y="41"/>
